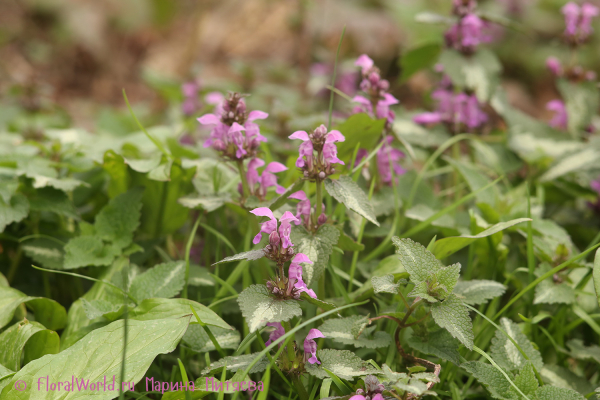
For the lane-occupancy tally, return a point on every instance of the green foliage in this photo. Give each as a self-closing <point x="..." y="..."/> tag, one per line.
<point x="419" y="58"/>
<point x="318" y="247"/>
<point x="259" y="307"/>
<point x="346" y="191"/>
<point x="342" y="363"/>
<point x="358" y="129"/>
<point x="352" y="330"/>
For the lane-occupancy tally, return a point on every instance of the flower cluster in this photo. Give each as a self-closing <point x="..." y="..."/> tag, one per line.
<point x="388" y="160"/>
<point x="459" y="111"/>
<point x="469" y="31"/>
<point x="376" y="89"/>
<point x="304" y="211"/>
<point x="574" y="74"/>
<point x="373" y="390"/>
<point x="578" y="21"/>
<point x="310" y="346"/>
<point x="190" y="97"/>
<point x="318" y="152"/>
<point x="234" y="133"/>
<point x="259" y="183"/>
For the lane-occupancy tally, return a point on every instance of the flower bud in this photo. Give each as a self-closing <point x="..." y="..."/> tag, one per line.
<point x="274" y="238"/>
<point x="322" y="219"/>
<point x="322" y="175"/>
<point x="384" y="85"/>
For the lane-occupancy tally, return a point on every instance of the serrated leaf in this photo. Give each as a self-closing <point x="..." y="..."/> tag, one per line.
<point x="415" y="258"/>
<point x="13" y="211"/>
<point x="341" y="330"/>
<point x="526" y="381"/>
<point x="439" y="343"/>
<point x="478" y="291"/>
<point x="45" y="252"/>
<point x="198" y="340"/>
<point x="554" y="393"/>
<point x="53" y="200"/>
<point x="548" y="292"/>
<point x="200" y="276"/>
<point x="491" y="378"/>
<point x="247" y="255"/>
<point x="317" y="247"/>
<point x="30" y="338"/>
<point x="448" y="276"/>
<point x="447" y="246"/>
<point x="95" y="357"/>
<point x="175" y="308"/>
<point x="346" y="191"/>
<point x="358" y="128"/>
<point x="384" y="284"/>
<point x="84" y="251"/>
<point x="506" y="354"/>
<point x="259" y="307"/>
<point x="235" y="363"/>
<point x="162" y="280"/>
<point x="319" y="303"/>
<point x="47" y="311"/>
<point x="452" y="315"/>
<point x="343" y="363"/>
<point x="346" y="243"/>
<point x="561" y="377"/>
<point x="117" y="221"/>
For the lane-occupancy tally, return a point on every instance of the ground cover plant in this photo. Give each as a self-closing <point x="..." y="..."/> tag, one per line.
<point x="250" y="244"/>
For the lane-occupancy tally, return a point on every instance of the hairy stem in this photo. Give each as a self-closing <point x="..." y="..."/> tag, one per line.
<point x="245" y="187"/>
<point x="319" y="208"/>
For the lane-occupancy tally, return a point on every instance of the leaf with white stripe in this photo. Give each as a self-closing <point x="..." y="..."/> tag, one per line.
<point x="164" y="280"/>
<point x="478" y="291"/>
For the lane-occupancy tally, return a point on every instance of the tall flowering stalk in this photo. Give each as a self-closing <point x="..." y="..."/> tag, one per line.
<point x="234" y="133"/>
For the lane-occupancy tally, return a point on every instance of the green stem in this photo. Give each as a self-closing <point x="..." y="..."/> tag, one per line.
<point x="333" y="78"/>
<point x="245" y="187"/>
<point x="359" y="241"/>
<point x="290" y="348"/>
<point x="319" y="200"/>
<point x="14" y="265"/>
<point x="188" y="248"/>
<point x="302" y="393"/>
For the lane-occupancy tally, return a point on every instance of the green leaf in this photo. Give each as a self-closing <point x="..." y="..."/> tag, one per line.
<point x="582" y="160"/>
<point x="452" y="315"/>
<point x="117" y="221"/>
<point x="554" y="393"/>
<point x="582" y="352"/>
<point x="581" y="101"/>
<point x="384" y="284"/>
<point x="448" y="276"/>
<point x="44" y="251"/>
<point x="259" y="307"/>
<point x="419" y="58"/>
<point x="13" y="211"/>
<point x="359" y="128"/>
<point x="506" y="354"/>
<point x="207" y="202"/>
<point x="5" y="375"/>
<point x="29" y="337"/>
<point x="198" y="340"/>
<point x="234" y="363"/>
<point x="64" y="184"/>
<point x="47" y="311"/>
<point x="350" y="330"/>
<point x="84" y="251"/>
<point x="247" y="255"/>
<point x="476" y="180"/>
<point x="439" y="343"/>
<point x="98" y="308"/>
<point x="346" y="191"/>
<point x="478" y="291"/>
<point x="319" y="303"/>
<point x="162" y="280"/>
<point x="100" y="356"/>
<point x="150" y="309"/>
<point x="416" y="259"/>
<point x="526" y="381"/>
<point x="491" y="378"/>
<point x="596" y="275"/>
<point x="317" y="247"/>
<point x="549" y="292"/>
<point x="479" y="72"/>
<point x="343" y="363"/>
<point x="281" y="200"/>
<point x="346" y="243"/>
<point x="447" y="246"/>
<point x="53" y="200"/>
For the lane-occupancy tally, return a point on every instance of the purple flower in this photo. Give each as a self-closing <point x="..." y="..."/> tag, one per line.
<point x="596" y="186"/>
<point x="373" y="390"/>
<point x="295" y="274"/>
<point x="560" y="119"/>
<point x="378" y="396"/>
<point x="360" y="155"/>
<point x="323" y="142"/>
<point x="387" y="160"/>
<point x="578" y="21"/>
<point x="365" y="62"/>
<point x="266" y="180"/>
<point x="234" y="133"/>
<point x="467" y="34"/>
<point x="304" y="210"/>
<point x="463" y="7"/>
<point x="310" y="346"/>
<point x="554" y="65"/>
<point x="190" y="97"/>
<point x="276" y="334"/>
<point x="270" y="226"/>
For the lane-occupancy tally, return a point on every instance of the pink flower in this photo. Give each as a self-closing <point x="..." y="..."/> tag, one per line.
<point x="233" y="131"/>
<point x="554" y="65"/>
<point x="276" y="334"/>
<point x="190" y="97"/>
<point x="365" y="62"/>
<point x="468" y="33"/>
<point x="387" y="160"/>
<point x="378" y="396"/>
<point x="310" y="346"/>
<point x="578" y="20"/>
<point x="270" y="226"/>
<point x="295" y="274"/>
<point x="428" y="118"/>
<point x="266" y="180"/>
<point x="304" y="210"/>
<point x="596" y="186"/>
<point x="324" y="143"/>
<point x="560" y="119"/>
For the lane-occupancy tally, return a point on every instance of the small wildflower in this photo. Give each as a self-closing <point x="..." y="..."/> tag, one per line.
<point x="467" y="34"/>
<point x="190" y="97"/>
<point x="259" y="183"/>
<point x="578" y="21"/>
<point x="234" y="133"/>
<point x="554" y="65"/>
<point x="275" y="334"/>
<point x="319" y="165"/>
<point x="373" y="390"/>
<point x="295" y="274"/>
<point x="310" y="346"/>
<point x="387" y="160"/>
<point x="560" y="119"/>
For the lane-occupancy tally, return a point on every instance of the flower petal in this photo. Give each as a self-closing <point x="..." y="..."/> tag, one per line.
<point x="275" y="167"/>
<point x="257" y="114"/>
<point x="286" y="217"/>
<point x="301" y="258"/>
<point x="302" y="135"/>
<point x="209" y="119"/>
<point x="299" y="195"/>
<point x="313" y="334"/>
<point x="334" y="136"/>
<point x="263" y="212"/>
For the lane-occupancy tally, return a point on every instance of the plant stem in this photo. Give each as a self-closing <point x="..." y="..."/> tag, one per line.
<point x="302" y="393"/>
<point x="245" y="187"/>
<point x="188" y="248"/>
<point x="319" y="209"/>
